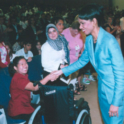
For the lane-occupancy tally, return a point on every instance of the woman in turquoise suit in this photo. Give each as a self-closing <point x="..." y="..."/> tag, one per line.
<point x="104" y="53"/>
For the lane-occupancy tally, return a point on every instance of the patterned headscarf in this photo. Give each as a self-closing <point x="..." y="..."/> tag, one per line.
<point x="56" y="44"/>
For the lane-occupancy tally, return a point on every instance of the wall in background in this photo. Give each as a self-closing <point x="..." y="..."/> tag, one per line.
<point x="76" y="2"/>
<point x="71" y="3"/>
<point x="119" y="3"/>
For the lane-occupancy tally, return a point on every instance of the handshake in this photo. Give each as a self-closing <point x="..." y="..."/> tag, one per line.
<point x="55" y="74"/>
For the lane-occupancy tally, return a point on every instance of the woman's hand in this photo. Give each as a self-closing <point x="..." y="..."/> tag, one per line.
<point x="62" y="66"/>
<point x="52" y="76"/>
<point x="59" y="72"/>
<point x="113" y="111"/>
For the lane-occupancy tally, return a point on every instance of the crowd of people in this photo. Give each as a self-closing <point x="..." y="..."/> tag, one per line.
<point x="55" y="35"/>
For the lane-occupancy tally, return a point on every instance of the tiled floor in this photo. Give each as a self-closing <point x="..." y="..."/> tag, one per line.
<point x="91" y="97"/>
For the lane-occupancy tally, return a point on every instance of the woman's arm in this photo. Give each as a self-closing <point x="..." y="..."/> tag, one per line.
<point x="51" y="77"/>
<point x="111" y="32"/>
<point x="81" y="62"/>
<point x="117" y="64"/>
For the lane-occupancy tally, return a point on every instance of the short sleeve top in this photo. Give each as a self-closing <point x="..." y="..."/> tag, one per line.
<point x="73" y="42"/>
<point x="3" y="53"/>
<point x="20" y="98"/>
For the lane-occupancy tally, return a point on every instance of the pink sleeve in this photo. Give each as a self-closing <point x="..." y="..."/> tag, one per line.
<point x="64" y="32"/>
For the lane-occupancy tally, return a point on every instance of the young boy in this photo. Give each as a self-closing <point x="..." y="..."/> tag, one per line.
<point x="26" y="51"/>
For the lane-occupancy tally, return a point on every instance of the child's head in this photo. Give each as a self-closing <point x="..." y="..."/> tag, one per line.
<point x="27" y="45"/>
<point x="19" y="65"/>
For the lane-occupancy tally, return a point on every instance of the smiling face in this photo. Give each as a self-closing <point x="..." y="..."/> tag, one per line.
<point x="60" y="26"/>
<point x="52" y="33"/>
<point x="22" y="67"/>
<point x="86" y="26"/>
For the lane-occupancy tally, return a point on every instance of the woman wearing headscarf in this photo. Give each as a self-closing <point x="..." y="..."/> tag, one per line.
<point x="54" y="52"/>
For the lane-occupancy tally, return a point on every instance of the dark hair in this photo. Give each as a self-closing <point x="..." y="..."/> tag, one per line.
<point x="29" y="20"/>
<point x="1" y="16"/>
<point x="75" y="25"/>
<point x="109" y="16"/>
<point x="27" y="41"/>
<point x="11" y="69"/>
<point x="10" y="47"/>
<point x="92" y="11"/>
<point x="12" y="18"/>
<point x="114" y="21"/>
<point x="55" y="20"/>
<point x="123" y="13"/>
<point x="34" y="49"/>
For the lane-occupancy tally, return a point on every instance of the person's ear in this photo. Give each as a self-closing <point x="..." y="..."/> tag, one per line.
<point x="15" y="68"/>
<point x="94" y="22"/>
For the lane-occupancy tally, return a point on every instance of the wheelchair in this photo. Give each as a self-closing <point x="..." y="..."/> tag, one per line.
<point x="58" y="106"/>
<point x="6" y="119"/>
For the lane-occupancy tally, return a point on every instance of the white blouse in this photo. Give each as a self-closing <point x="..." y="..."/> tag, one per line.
<point x="3" y="53"/>
<point x="50" y="58"/>
<point x="12" y="57"/>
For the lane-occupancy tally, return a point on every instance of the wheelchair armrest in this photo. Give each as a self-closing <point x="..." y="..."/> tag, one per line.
<point x="79" y="103"/>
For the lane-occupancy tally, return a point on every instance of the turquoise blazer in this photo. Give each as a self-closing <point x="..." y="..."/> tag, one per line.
<point x="108" y="63"/>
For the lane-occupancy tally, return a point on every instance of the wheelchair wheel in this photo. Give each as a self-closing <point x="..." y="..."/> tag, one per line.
<point x="84" y="117"/>
<point x="35" y="114"/>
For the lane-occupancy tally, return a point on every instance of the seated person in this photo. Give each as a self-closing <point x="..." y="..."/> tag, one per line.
<point x="4" y="56"/>
<point x="109" y="27"/>
<point x="53" y="53"/>
<point x="10" y="51"/>
<point x="36" y="48"/>
<point x="26" y="51"/>
<point x="16" y="46"/>
<point x="20" y="87"/>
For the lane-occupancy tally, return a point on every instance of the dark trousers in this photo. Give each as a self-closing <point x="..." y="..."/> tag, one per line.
<point x="26" y="117"/>
<point x="57" y="82"/>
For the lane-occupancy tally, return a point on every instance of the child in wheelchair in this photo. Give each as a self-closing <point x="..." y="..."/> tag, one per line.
<point x="20" y="89"/>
